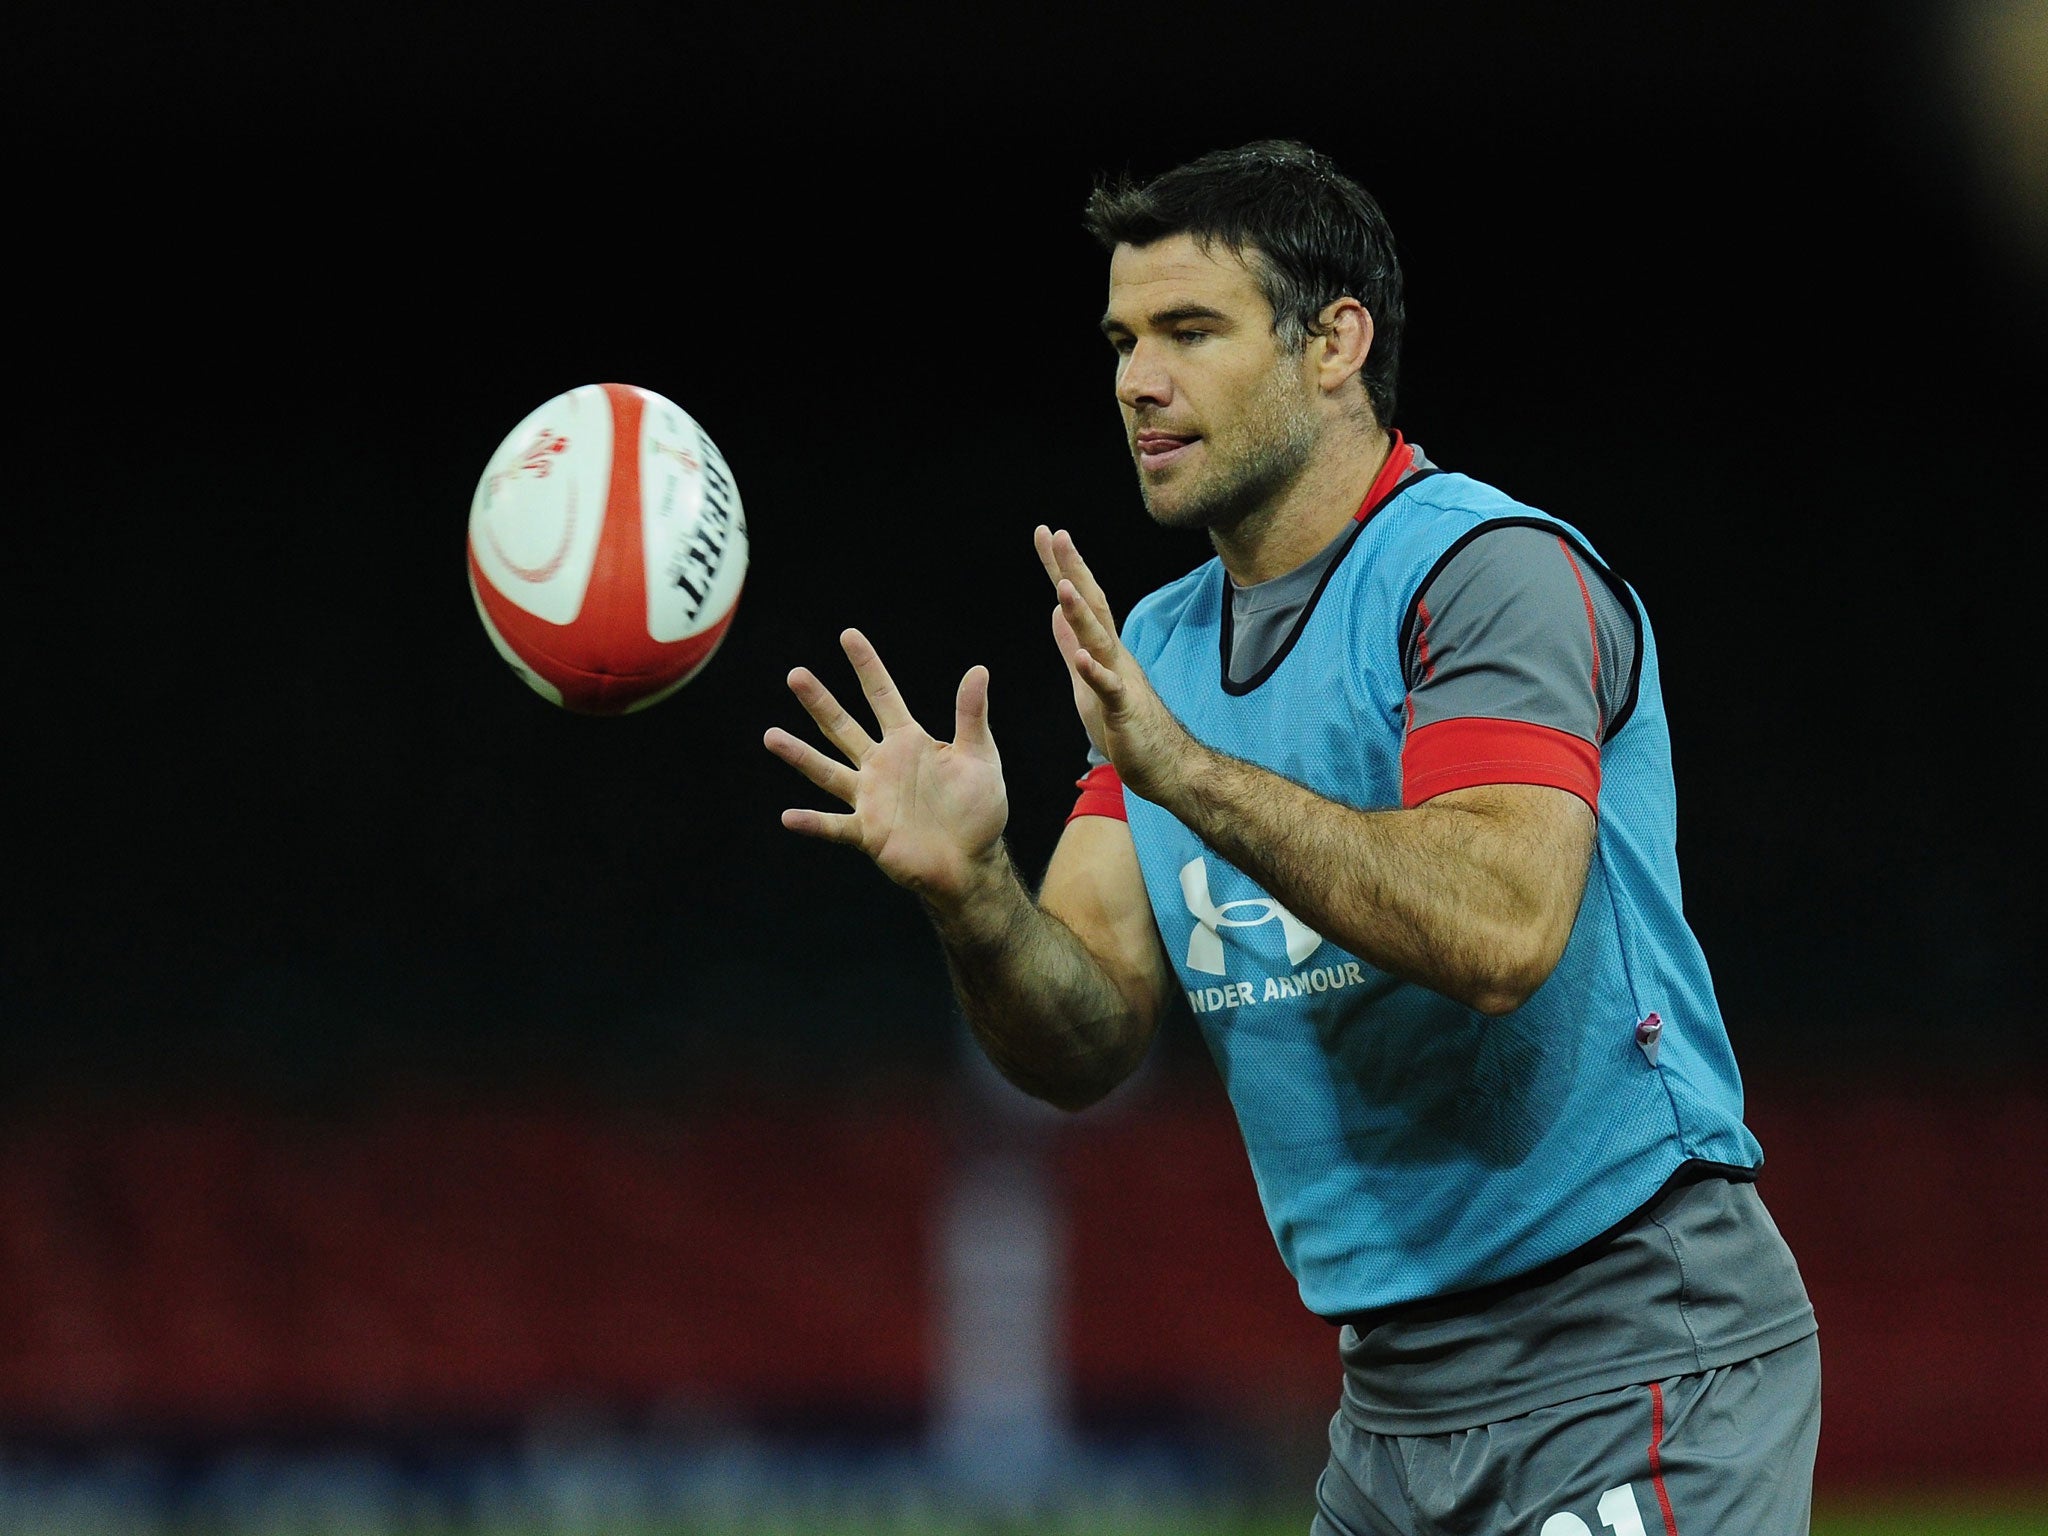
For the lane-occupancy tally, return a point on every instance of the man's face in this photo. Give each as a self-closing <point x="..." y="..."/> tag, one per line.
<point x="1218" y="416"/>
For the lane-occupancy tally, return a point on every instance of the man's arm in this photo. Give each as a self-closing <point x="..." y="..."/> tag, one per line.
<point x="1063" y="997"/>
<point x="1472" y="894"/>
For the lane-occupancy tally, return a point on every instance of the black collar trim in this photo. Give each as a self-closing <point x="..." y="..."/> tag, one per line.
<point x="1239" y="690"/>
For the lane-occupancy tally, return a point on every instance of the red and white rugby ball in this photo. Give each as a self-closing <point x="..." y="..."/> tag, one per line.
<point x="607" y="549"/>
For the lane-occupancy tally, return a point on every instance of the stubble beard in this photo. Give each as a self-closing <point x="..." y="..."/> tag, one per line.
<point x="1250" y="467"/>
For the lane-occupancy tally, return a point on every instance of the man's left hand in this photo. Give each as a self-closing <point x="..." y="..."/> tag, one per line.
<point x="1151" y="751"/>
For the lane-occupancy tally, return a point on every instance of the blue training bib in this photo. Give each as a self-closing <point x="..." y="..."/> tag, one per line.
<point x="1405" y="1146"/>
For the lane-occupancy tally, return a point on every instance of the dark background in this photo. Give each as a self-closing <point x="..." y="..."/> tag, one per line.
<point x="1736" y="289"/>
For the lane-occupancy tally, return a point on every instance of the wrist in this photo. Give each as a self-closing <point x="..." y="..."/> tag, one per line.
<point x="1171" y="775"/>
<point x="974" y="905"/>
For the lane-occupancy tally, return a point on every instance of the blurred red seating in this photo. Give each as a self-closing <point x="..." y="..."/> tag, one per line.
<point x="481" y="1261"/>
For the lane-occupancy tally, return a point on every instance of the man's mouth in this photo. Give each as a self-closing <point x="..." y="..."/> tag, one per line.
<point x="1157" y="450"/>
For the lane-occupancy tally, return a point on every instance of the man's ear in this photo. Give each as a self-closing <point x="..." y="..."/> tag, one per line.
<point x="1342" y="343"/>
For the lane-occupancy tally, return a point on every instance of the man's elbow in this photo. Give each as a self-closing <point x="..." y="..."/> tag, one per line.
<point x="1076" y="1091"/>
<point x="1085" y="1079"/>
<point x="1513" y="974"/>
<point x="1493" y="1001"/>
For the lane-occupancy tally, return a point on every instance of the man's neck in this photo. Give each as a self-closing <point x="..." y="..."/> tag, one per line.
<point x="1313" y="509"/>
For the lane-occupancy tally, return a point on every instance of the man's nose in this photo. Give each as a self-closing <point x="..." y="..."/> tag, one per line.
<point x="1143" y="380"/>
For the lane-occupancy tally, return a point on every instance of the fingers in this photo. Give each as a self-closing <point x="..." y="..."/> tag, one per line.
<point x="891" y="712"/>
<point x="824" y="826"/>
<point x="1063" y="636"/>
<point x="1090" y="626"/>
<point x="1058" y="554"/>
<point x="1041" y="540"/>
<point x="1080" y="594"/>
<point x="840" y="728"/>
<point x="970" y="711"/>
<point x="1082" y="662"/>
<point x="1107" y="685"/>
<point x="835" y="778"/>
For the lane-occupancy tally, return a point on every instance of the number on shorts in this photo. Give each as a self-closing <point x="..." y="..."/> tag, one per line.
<point x="1618" y="1511"/>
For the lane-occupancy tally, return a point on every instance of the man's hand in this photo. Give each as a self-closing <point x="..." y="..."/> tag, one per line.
<point x="1129" y="725"/>
<point x="929" y="813"/>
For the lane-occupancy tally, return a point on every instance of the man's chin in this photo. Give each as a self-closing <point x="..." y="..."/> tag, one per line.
<point x="1171" y="509"/>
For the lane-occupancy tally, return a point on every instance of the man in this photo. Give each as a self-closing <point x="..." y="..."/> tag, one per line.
<point x="1384" y="791"/>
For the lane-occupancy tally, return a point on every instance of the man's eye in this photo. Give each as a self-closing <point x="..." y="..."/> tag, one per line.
<point x="1189" y="337"/>
<point x="1123" y="345"/>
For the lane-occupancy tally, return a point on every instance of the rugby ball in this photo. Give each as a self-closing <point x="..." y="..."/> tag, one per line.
<point x="607" y="548"/>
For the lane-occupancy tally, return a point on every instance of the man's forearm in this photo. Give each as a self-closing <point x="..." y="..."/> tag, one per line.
<point x="1040" y="1004"/>
<point x="1442" y="894"/>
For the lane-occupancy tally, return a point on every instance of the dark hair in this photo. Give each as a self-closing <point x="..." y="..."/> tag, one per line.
<point x="1310" y="235"/>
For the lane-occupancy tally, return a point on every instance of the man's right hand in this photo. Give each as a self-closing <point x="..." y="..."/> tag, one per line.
<point x="930" y="813"/>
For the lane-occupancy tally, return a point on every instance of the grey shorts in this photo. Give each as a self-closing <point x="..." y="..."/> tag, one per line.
<point x="1725" y="1450"/>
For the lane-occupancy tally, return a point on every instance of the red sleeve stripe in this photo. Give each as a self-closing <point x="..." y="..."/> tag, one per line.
<point x="1102" y="794"/>
<point x="1460" y="754"/>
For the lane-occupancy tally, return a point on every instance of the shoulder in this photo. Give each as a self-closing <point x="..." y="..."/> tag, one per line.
<point x="1503" y="556"/>
<point x="1454" y="518"/>
<point x="1413" y="534"/>
<point x="1431" y="517"/>
<point x="1458" y="504"/>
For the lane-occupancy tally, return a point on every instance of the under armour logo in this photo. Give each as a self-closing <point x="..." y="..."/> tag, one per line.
<point x="1205" y="944"/>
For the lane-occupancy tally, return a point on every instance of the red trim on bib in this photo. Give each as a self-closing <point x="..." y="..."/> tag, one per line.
<point x="1592" y="629"/>
<point x="1422" y="655"/>
<point x="1461" y="754"/>
<point x="1102" y="794"/>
